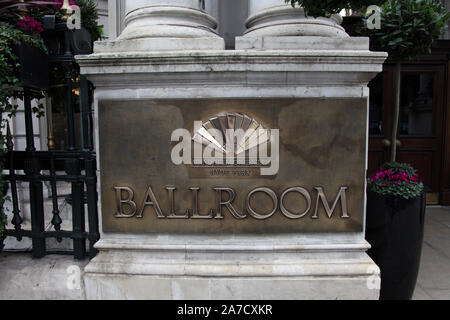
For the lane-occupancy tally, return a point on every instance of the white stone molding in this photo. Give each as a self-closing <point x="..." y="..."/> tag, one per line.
<point x="353" y="65"/>
<point x="273" y="18"/>
<point x="329" y="266"/>
<point x="153" y="25"/>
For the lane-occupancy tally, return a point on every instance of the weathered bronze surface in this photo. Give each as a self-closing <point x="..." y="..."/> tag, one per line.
<point x="322" y="154"/>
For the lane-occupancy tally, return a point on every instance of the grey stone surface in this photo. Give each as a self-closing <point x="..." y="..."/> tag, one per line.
<point x="420" y="294"/>
<point x="22" y="277"/>
<point x="439" y="294"/>
<point x="434" y="275"/>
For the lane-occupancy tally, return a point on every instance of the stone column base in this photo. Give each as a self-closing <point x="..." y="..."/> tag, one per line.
<point x="159" y="44"/>
<point x="354" y="44"/>
<point x="281" y="267"/>
<point x="273" y="18"/>
<point x="154" y="25"/>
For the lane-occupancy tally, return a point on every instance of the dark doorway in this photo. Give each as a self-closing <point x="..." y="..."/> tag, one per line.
<point x="420" y="134"/>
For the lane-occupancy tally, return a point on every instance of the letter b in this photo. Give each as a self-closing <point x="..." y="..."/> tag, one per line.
<point x="127" y="201"/>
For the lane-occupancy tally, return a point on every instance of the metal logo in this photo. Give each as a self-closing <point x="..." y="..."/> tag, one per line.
<point x="228" y="139"/>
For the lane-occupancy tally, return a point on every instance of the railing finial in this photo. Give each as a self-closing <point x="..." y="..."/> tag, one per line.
<point x="66" y="10"/>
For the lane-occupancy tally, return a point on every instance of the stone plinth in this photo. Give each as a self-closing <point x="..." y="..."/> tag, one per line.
<point x="165" y="25"/>
<point x="285" y="267"/>
<point x="318" y="98"/>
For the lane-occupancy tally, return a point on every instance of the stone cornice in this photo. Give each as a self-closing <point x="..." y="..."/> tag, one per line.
<point x="208" y="61"/>
<point x="193" y="68"/>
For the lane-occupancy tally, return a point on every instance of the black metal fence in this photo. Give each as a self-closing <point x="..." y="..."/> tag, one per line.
<point x="75" y="165"/>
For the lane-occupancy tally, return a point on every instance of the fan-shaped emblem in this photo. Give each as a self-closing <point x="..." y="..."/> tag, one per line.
<point x="231" y="133"/>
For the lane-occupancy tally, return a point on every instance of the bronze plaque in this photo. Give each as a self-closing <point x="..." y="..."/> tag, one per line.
<point x="318" y="187"/>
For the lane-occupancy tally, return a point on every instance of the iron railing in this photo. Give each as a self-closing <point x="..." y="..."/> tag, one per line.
<point x="76" y="165"/>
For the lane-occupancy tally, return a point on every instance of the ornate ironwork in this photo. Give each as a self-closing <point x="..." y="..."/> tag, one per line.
<point x="76" y="166"/>
<point x="17" y="219"/>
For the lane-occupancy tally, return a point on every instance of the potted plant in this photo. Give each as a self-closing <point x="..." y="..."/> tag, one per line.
<point x="15" y="14"/>
<point x="394" y="227"/>
<point x="81" y="43"/>
<point x="395" y="209"/>
<point x="54" y="31"/>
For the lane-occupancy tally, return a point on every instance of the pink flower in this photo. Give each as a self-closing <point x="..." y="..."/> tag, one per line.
<point x="30" y="24"/>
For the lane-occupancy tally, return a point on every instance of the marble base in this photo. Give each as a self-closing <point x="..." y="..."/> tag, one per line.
<point x="302" y="43"/>
<point x="275" y="267"/>
<point x="156" y="19"/>
<point x="273" y="18"/>
<point x="159" y="44"/>
<point x="138" y="287"/>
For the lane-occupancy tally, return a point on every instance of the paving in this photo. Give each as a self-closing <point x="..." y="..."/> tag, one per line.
<point x="55" y="277"/>
<point x="433" y="282"/>
<point x="58" y="276"/>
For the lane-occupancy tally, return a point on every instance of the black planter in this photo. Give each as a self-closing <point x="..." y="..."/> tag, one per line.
<point x="394" y="228"/>
<point x="33" y="66"/>
<point x="59" y="41"/>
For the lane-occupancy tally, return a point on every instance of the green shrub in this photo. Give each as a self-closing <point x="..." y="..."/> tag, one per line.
<point x="408" y="27"/>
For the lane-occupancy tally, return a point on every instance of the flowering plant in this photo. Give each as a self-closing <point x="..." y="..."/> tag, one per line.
<point x="30" y="24"/>
<point x="397" y="179"/>
<point x="21" y="23"/>
<point x="28" y="15"/>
